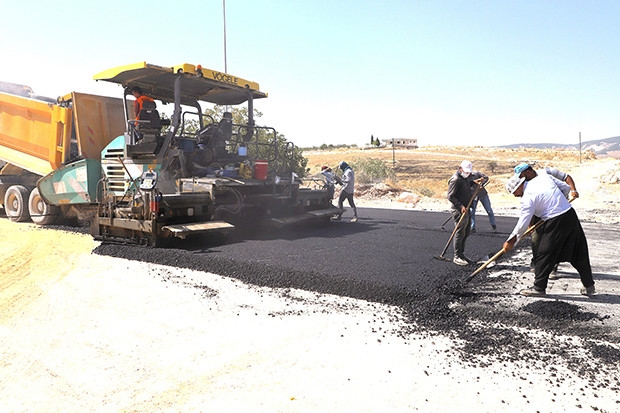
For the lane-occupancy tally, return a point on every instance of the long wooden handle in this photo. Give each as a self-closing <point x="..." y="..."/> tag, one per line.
<point x="456" y="227"/>
<point x="460" y="219"/>
<point x="501" y="252"/>
<point x="486" y="264"/>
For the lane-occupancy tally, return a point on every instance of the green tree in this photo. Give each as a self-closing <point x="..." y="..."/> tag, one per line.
<point x="266" y="143"/>
<point x="372" y="140"/>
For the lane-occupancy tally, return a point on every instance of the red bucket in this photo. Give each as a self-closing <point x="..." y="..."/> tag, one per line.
<point x="260" y="170"/>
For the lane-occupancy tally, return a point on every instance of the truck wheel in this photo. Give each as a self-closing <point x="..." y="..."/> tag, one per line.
<point x="16" y="203"/>
<point x="40" y="211"/>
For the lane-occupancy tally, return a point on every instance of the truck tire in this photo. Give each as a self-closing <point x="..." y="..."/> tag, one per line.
<point x="16" y="203"/>
<point x="40" y="211"/>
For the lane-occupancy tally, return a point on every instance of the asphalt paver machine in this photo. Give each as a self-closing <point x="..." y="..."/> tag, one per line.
<point x="185" y="173"/>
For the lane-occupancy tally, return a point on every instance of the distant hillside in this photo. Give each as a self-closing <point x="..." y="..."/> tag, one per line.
<point x="602" y="147"/>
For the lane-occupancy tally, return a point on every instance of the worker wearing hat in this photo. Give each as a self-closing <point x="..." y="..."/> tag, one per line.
<point x="563" y="181"/>
<point x="526" y="170"/>
<point x="460" y="194"/>
<point x="348" y="189"/>
<point x="561" y="236"/>
<point x="330" y="181"/>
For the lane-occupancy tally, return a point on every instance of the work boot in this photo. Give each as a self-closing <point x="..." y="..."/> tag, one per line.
<point x="459" y="261"/>
<point x="533" y="292"/>
<point x="589" y="291"/>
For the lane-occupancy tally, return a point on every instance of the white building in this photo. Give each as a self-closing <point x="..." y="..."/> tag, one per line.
<point x="409" y="143"/>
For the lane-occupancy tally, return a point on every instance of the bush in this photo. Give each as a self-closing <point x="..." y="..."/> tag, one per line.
<point x="426" y="192"/>
<point x="371" y="170"/>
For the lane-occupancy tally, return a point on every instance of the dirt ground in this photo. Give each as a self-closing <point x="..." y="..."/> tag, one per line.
<point x="422" y="175"/>
<point x="426" y="170"/>
<point x="82" y="332"/>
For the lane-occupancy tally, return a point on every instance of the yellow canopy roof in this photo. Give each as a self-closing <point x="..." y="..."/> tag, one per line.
<point x="197" y="84"/>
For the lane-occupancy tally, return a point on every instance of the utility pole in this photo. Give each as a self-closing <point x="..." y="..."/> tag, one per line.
<point x="225" y="59"/>
<point x="227" y="107"/>
<point x="393" y="153"/>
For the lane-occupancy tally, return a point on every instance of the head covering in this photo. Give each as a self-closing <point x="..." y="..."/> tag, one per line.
<point x="513" y="183"/>
<point x="324" y="167"/>
<point x="343" y="165"/>
<point x="467" y="166"/>
<point x="521" y="167"/>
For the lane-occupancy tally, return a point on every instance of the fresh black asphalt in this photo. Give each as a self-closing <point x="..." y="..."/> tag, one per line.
<point x="390" y="257"/>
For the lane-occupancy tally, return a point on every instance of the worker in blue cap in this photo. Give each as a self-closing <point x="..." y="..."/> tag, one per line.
<point x="561" y="236"/>
<point x="562" y="180"/>
<point x="526" y="170"/>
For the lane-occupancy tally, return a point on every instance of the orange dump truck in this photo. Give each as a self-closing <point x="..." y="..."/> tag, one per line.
<point x="39" y="135"/>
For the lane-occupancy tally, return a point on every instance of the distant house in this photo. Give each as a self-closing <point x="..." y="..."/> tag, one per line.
<point x="409" y="143"/>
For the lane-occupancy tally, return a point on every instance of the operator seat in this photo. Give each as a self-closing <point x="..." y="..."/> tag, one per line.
<point x="150" y="123"/>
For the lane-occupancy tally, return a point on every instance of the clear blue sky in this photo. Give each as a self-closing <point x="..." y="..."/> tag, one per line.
<point x="445" y="72"/>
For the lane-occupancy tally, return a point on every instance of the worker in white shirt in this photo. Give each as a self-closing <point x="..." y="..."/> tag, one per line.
<point x="330" y="181"/>
<point x="348" y="189"/>
<point x="564" y="182"/>
<point x="561" y="236"/>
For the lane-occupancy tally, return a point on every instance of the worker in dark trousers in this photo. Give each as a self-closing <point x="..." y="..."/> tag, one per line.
<point x="330" y="181"/>
<point x="459" y="195"/>
<point x="564" y="182"/>
<point x="348" y="189"/>
<point x="561" y="236"/>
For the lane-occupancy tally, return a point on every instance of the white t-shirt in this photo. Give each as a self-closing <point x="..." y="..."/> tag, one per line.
<point x="558" y="177"/>
<point x="542" y="197"/>
<point x="330" y="177"/>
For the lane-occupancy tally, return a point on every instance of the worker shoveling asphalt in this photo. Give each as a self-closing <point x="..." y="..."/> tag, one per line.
<point x="459" y="191"/>
<point x="516" y="186"/>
